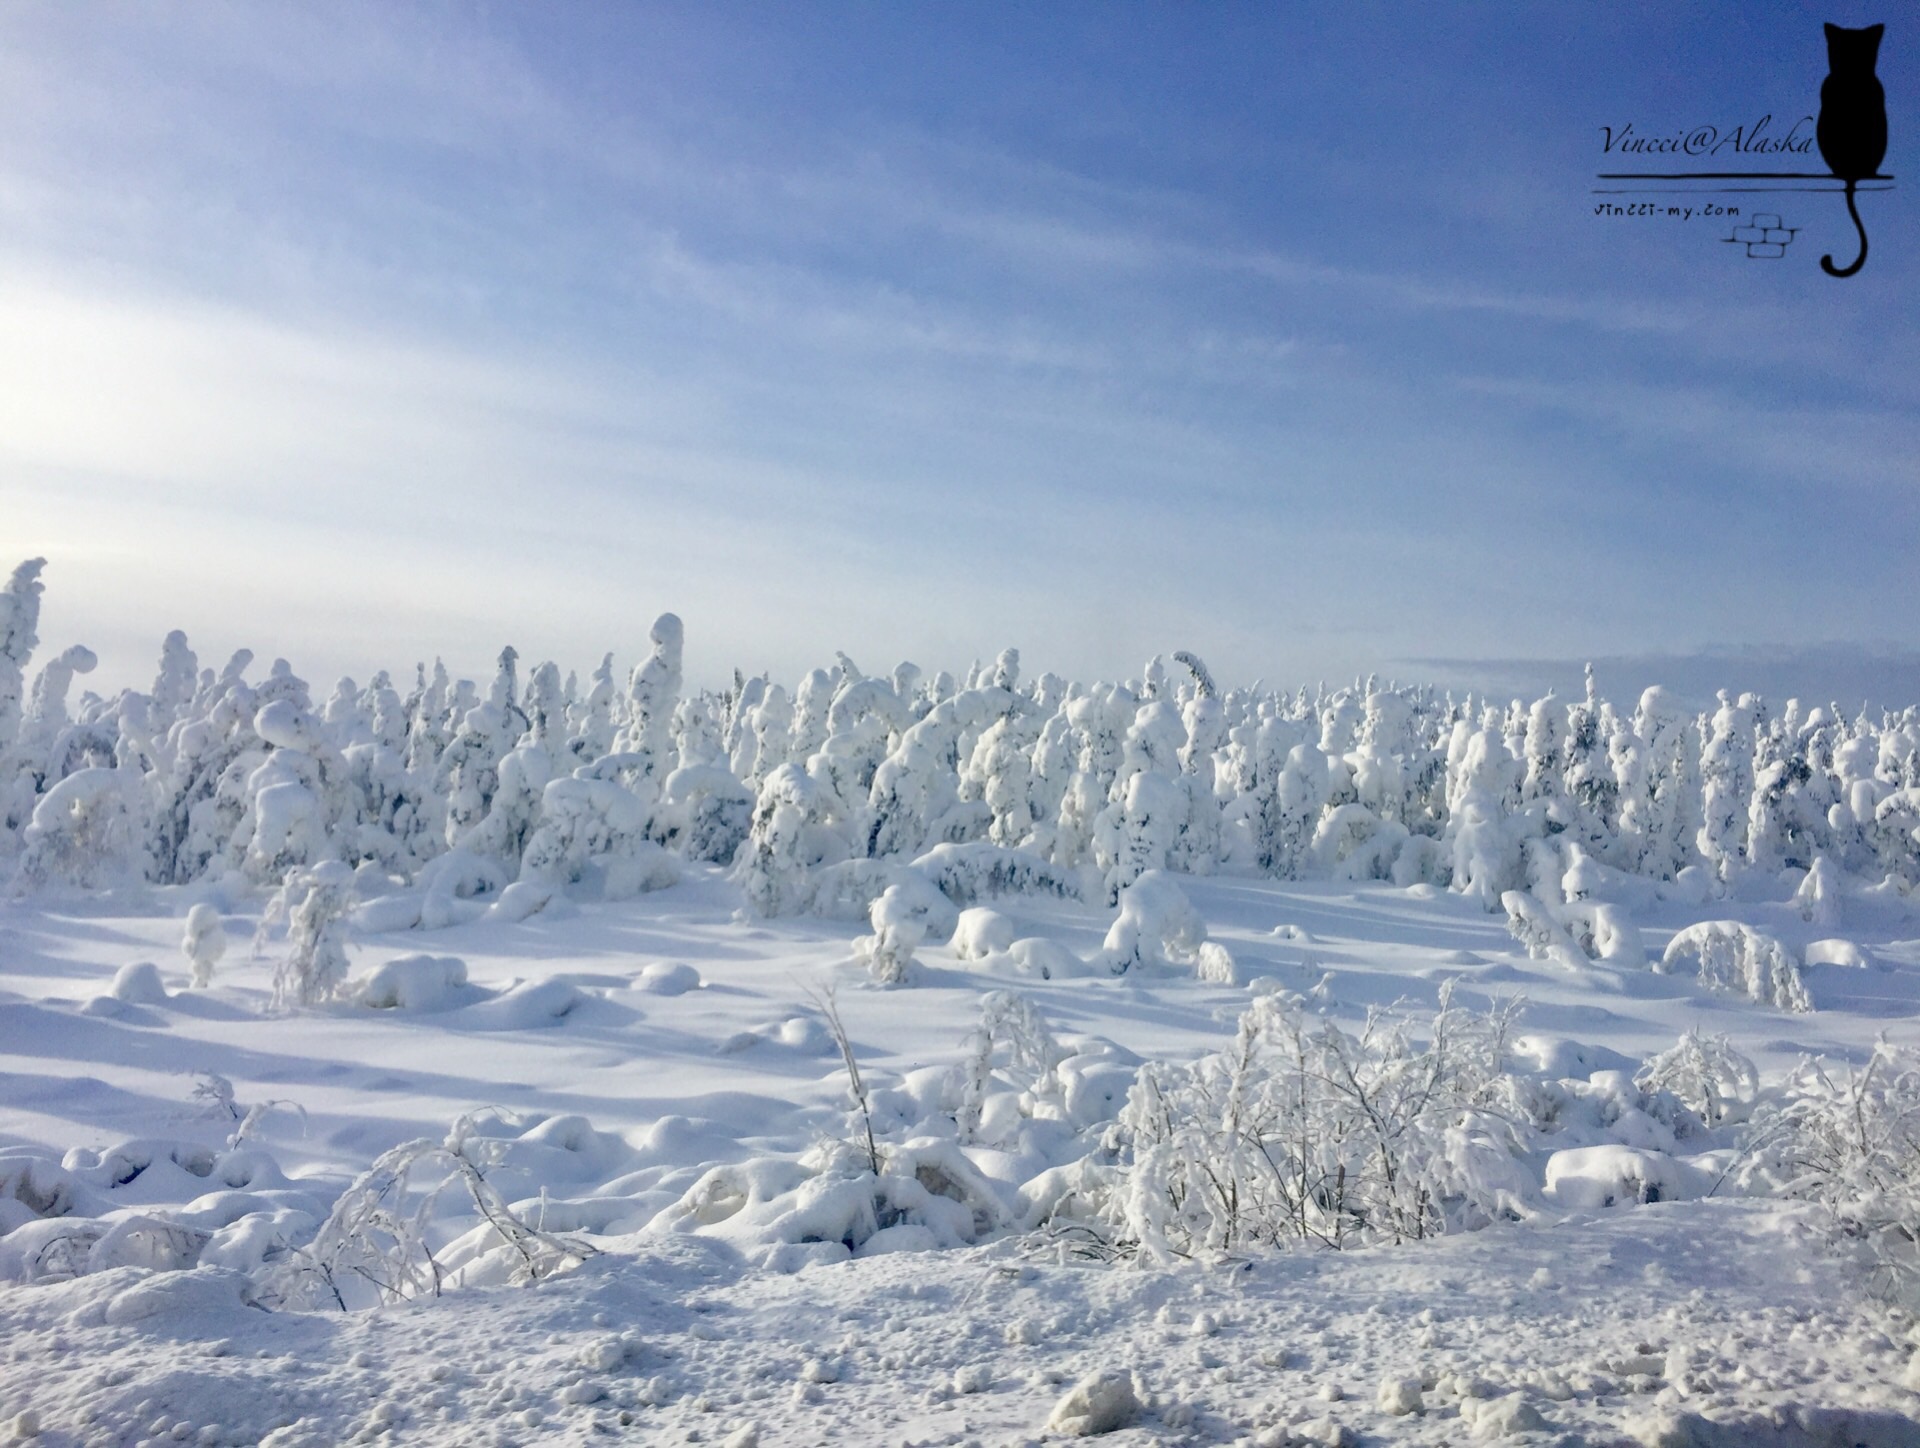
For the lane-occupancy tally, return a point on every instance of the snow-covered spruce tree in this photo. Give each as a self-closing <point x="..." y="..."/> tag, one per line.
<point x="466" y="773"/>
<point x="1380" y="762"/>
<point x="811" y="702"/>
<point x="1660" y="792"/>
<point x="1286" y="805"/>
<point x="47" y="717"/>
<point x="705" y="810"/>
<point x="590" y="725"/>
<point x="203" y="943"/>
<point x="863" y="721"/>
<point x="1049" y="772"/>
<point x="591" y="827"/>
<point x="295" y="800"/>
<point x="771" y="724"/>
<point x="1726" y="788"/>
<point x="783" y="844"/>
<point x="1544" y="752"/>
<point x="1787" y="817"/>
<point x="399" y="815"/>
<point x="916" y="786"/>
<point x="197" y="804"/>
<point x="653" y="694"/>
<point x="515" y="811"/>
<point x="429" y="722"/>
<point x="1149" y="808"/>
<point x="1589" y="781"/>
<point x="919" y="795"/>
<point x="1002" y="765"/>
<point x="19" y="622"/>
<point x="1484" y="840"/>
<point x="174" y="684"/>
<point x="898" y="928"/>
<point x="1860" y="788"/>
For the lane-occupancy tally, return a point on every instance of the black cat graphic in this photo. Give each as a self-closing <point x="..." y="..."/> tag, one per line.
<point x="1852" y="130"/>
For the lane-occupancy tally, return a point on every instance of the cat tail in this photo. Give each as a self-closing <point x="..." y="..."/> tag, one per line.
<point x="1826" y="262"/>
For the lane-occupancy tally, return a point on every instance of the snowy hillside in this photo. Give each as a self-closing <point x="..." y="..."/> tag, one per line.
<point x="946" y="1059"/>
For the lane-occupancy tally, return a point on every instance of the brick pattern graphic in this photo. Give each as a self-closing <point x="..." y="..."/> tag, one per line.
<point x="1763" y="237"/>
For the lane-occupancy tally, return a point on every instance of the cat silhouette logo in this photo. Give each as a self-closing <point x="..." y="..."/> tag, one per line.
<point x="1851" y="132"/>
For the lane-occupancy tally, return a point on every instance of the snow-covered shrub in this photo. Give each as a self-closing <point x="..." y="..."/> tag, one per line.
<point x="1007" y="1020"/>
<point x="1712" y="1080"/>
<point x="1100" y="1402"/>
<point x="1157" y="924"/>
<point x="1298" y="1131"/>
<point x="204" y="942"/>
<point x="1534" y="925"/>
<point x="899" y="925"/>
<point x="1851" y="1141"/>
<point x="314" y="902"/>
<point x="978" y="871"/>
<point x="375" y="1246"/>
<point x="82" y="832"/>
<point x="1818" y="895"/>
<point x="1736" y="959"/>
<point x="981" y="932"/>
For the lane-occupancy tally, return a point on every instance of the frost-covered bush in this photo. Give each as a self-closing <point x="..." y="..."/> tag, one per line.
<point x="1710" y="1078"/>
<point x="1851" y="1142"/>
<point x="1010" y="1027"/>
<point x="1300" y="1132"/>
<point x="376" y="1245"/>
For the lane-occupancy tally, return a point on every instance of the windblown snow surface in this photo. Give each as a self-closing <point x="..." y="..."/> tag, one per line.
<point x="627" y="1048"/>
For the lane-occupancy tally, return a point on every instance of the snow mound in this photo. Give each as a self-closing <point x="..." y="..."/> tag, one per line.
<point x="1101" y="1402"/>
<point x="139" y="984"/>
<point x="1606" y="1176"/>
<point x="668" y="978"/>
<point x="413" y="983"/>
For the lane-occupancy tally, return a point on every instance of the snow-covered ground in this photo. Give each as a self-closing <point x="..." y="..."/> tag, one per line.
<point x="619" y="1051"/>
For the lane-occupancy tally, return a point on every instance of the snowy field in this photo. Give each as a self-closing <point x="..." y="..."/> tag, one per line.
<point x="967" y="1060"/>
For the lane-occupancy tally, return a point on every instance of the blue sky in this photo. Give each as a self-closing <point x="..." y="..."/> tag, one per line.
<point x="365" y="333"/>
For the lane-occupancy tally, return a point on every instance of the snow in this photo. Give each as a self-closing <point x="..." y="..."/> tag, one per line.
<point x="918" y="1060"/>
<point x="1568" y="1319"/>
